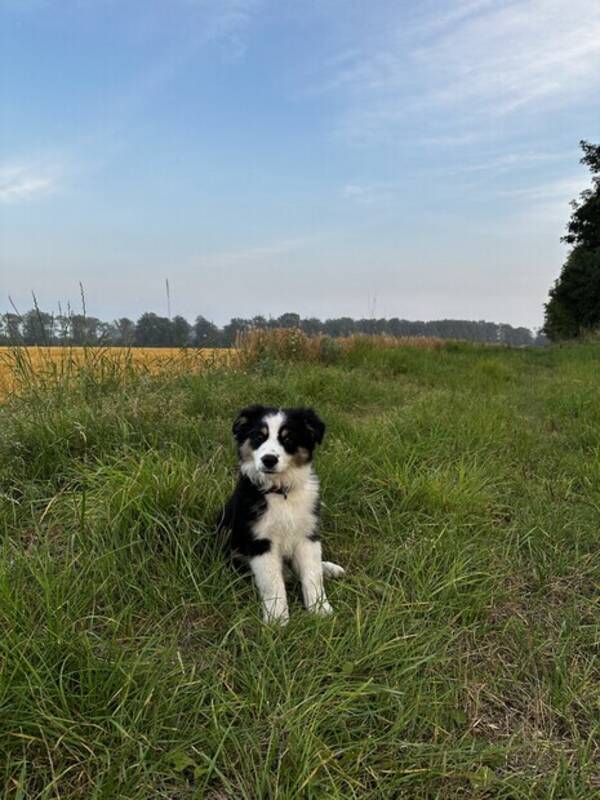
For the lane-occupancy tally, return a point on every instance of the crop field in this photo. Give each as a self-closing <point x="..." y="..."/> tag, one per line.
<point x="21" y="366"/>
<point x="44" y="367"/>
<point x="461" y="491"/>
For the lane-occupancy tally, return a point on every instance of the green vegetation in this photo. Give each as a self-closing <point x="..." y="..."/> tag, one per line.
<point x="573" y="309"/>
<point x="461" y="491"/>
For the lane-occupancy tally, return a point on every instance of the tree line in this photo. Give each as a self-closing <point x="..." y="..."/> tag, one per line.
<point x="37" y="327"/>
<point x="574" y="305"/>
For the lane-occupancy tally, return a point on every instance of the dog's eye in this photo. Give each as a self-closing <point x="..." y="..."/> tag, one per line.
<point x="258" y="437"/>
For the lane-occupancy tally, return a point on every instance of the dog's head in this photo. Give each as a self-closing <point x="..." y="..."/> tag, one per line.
<point x="273" y="441"/>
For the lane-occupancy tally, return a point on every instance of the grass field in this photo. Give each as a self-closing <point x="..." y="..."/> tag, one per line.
<point x="461" y="490"/>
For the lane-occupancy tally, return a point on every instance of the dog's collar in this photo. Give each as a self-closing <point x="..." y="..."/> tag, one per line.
<point x="284" y="490"/>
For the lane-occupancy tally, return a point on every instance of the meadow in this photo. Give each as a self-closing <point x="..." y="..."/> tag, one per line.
<point x="461" y="491"/>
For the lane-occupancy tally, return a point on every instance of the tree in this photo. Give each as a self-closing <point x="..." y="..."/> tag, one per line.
<point x="180" y="332"/>
<point x="62" y="329"/>
<point x="584" y="226"/>
<point x="153" y="331"/>
<point x="38" y="327"/>
<point x="85" y="330"/>
<point x="236" y="326"/>
<point x="11" y="328"/>
<point x="574" y="304"/>
<point x="312" y="326"/>
<point x="288" y="320"/>
<point x="206" y="334"/>
<point x="124" y="331"/>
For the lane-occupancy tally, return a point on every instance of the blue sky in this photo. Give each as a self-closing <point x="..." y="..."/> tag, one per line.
<point x="321" y="156"/>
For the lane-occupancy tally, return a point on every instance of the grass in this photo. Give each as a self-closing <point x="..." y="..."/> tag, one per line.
<point x="461" y="490"/>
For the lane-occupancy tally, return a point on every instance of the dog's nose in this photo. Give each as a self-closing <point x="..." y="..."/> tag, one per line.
<point x="269" y="461"/>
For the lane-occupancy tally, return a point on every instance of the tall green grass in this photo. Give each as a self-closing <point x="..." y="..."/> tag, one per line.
<point x="461" y="490"/>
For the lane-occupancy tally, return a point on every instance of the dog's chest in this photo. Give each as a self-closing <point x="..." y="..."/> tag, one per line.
<point x="286" y="521"/>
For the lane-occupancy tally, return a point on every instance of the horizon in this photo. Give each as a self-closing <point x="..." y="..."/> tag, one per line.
<point x="83" y="313"/>
<point x="346" y="159"/>
<point x="38" y="327"/>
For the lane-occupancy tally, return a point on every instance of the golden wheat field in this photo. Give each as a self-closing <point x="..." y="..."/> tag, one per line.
<point x="23" y="366"/>
<point x="20" y="366"/>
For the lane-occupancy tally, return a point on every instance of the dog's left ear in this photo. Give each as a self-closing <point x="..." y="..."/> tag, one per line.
<point x="245" y="419"/>
<point x="314" y="424"/>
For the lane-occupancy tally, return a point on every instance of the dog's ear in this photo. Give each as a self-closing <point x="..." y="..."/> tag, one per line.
<point x="245" y="420"/>
<point x="314" y="424"/>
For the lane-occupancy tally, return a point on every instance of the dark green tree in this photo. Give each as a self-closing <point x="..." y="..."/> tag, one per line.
<point x="38" y="327"/>
<point x="124" y="331"/>
<point x="288" y="320"/>
<point x="180" y="331"/>
<point x="11" y="328"/>
<point x="206" y="333"/>
<point x="312" y="326"/>
<point x="574" y="304"/>
<point x="236" y="326"/>
<point x="153" y="331"/>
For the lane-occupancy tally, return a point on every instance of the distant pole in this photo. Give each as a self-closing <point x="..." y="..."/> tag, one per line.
<point x="168" y="298"/>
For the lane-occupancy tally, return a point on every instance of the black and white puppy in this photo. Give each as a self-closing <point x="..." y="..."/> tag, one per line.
<point x="272" y="518"/>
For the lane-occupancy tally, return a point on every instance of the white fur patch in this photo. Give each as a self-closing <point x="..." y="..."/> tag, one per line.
<point x="289" y="520"/>
<point x="331" y="570"/>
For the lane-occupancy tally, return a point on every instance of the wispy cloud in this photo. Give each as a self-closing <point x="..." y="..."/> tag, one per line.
<point x="524" y="160"/>
<point x="523" y="52"/>
<point x="226" y="21"/>
<point x="479" y="60"/>
<point x="548" y="201"/>
<point x="20" y="182"/>
<point x="369" y="194"/>
<point x="563" y="189"/>
<point x="252" y="254"/>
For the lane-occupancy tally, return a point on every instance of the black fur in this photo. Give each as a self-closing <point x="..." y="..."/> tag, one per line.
<point x="244" y="507"/>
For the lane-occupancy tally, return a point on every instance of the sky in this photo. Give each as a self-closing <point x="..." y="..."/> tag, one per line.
<point x="328" y="157"/>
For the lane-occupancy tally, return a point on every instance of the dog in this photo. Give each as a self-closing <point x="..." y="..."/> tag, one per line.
<point x="271" y="521"/>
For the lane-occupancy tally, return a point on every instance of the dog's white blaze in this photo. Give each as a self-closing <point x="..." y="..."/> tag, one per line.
<point x="272" y="446"/>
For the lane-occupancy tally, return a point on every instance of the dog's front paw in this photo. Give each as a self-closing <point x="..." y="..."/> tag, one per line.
<point x="331" y="570"/>
<point x="322" y="609"/>
<point x="276" y="617"/>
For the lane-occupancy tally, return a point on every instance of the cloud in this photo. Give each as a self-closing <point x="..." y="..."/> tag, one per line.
<point x="564" y="188"/>
<point x="506" y="162"/>
<point x="548" y="201"/>
<point x="523" y="52"/>
<point x="369" y="193"/>
<point x="253" y="254"/>
<point x="225" y="20"/>
<point x="21" y="182"/>
<point x="478" y="61"/>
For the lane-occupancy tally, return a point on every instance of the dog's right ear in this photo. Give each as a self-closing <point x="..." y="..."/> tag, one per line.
<point x="245" y="420"/>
